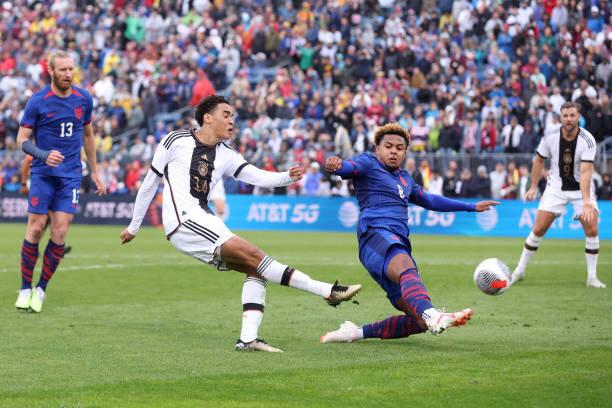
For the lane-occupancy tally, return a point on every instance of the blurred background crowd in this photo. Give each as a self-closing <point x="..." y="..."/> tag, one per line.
<point x="477" y="83"/>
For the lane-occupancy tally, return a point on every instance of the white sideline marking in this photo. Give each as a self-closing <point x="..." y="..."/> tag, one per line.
<point x="105" y="266"/>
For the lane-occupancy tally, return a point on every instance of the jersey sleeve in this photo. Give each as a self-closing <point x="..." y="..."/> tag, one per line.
<point x="30" y="114"/>
<point x="354" y="167"/>
<point x="160" y="159"/>
<point x="437" y="203"/>
<point x="88" y="110"/>
<point x="235" y="163"/>
<point x="588" y="154"/>
<point x="543" y="150"/>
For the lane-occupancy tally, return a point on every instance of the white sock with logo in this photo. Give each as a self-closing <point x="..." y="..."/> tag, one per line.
<point x="591" y="253"/>
<point x="284" y="275"/>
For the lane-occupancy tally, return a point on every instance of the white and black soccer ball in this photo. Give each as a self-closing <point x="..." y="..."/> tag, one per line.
<point x="492" y="276"/>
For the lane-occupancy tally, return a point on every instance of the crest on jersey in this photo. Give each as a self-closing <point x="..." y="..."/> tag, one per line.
<point x="78" y="112"/>
<point x="567" y="156"/>
<point x="34" y="201"/>
<point x="203" y="166"/>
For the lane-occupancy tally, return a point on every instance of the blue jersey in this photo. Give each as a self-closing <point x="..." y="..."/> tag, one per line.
<point x="384" y="195"/>
<point x="57" y="124"/>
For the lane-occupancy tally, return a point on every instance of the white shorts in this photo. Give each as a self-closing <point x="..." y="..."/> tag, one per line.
<point x="201" y="237"/>
<point x="555" y="200"/>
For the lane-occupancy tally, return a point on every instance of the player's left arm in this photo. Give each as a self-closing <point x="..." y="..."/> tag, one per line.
<point x="89" y="144"/>
<point x="586" y="178"/>
<point x="242" y="170"/>
<point x="24" y="173"/>
<point x="268" y="179"/>
<point x="435" y="202"/>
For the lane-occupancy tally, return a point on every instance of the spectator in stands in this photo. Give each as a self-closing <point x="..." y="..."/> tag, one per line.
<point x="511" y="135"/>
<point x="605" y="191"/>
<point x="465" y="186"/>
<point x="482" y="184"/>
<point x="497" y="178"/>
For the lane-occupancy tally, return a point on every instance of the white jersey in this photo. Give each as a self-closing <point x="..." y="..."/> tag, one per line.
<point x="566" y="157"/>
<point x="191" y="170"/>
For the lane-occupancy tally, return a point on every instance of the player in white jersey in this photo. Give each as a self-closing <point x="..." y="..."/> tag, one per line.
<point x="572" y="152"/>
<point x="192" y="162"/>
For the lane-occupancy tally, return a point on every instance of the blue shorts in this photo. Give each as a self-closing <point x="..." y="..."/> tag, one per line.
<point x="48" y="193"/>
<point x="377" y="246"/>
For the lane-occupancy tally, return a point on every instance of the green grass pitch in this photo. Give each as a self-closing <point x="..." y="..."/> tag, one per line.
<point x="142" y="325"/>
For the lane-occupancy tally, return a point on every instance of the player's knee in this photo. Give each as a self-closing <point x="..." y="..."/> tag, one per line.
<point x="58" y="233"/>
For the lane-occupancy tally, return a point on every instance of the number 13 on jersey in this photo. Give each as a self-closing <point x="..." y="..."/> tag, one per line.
<point x="66" y="129"/>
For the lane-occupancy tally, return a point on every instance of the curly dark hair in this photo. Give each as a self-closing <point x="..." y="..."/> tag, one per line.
<point x="391" y="129"/>
<point x="207" y="105"/>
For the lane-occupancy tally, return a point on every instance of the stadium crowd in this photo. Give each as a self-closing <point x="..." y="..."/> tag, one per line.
<point x="310" y="79"/>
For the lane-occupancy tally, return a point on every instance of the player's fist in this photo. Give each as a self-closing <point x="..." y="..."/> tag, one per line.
<point x="126" y="236"/>
<point x="100" y="187"/>
<point x="333" y="163"/>
<point x="54" y="158"/>
<point x="24" y="189"/>
<point x="296" y="173"/>
<point x="485" y="205"/>
<point x="530" y="194"/>
<point x="588" y="212"/>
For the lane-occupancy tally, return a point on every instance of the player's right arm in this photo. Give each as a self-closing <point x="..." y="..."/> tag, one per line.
<point x="146" y="192"/>
<point x="24" y="173"/>
<point x="29" y="121"/>
<point x="542" y="153"/>
<point x="536" y="175"/>
<point x="350" y="168"/>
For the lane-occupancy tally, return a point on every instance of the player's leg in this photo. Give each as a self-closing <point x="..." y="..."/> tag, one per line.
<point x="402" y="270"/>
<point x="29" y="256"/>
<point x="591" y="251"/>
<point x="39" y="199"/>
<point x="543" y="221"/>
<point x="393" y="327"/>
<point x="253" y="303"/>
<point x="61" y="209"/>
<point x="242" y="256"/>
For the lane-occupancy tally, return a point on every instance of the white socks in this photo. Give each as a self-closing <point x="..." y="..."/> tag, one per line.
<point x="253" y="301"/>
<point x="591" y="253"/>
<point x="532" y="243"/>
<point x="287" y="276"/>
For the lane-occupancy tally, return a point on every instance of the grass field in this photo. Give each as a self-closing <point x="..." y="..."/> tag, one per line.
<point x="143" y="325"/>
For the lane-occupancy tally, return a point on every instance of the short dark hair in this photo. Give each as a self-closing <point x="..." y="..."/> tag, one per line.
<point x="207" y="105"/>
<point x="391" y="129"/>
<point x="569" y="105"/>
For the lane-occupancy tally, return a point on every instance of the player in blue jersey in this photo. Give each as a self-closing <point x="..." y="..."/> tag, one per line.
<point x="59" y="118"/>
<point x="384" y="192"/>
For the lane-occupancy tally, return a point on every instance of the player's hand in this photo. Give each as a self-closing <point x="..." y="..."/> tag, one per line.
<point x="530" y="194"/>
<point x="54" y="159"/>
<point x="100" y="187"/>
<point x="333" y="163"/>
<point x="296" y="173"/>
<point x="588" y="212"/>
<point x="126" y="236"/>
<point x="24" y="190"/>
<point x="485" y="205"/>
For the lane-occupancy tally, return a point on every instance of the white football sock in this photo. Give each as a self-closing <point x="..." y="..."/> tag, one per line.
<point x="591" y="254"/>
<point x="253" y="302"/>
<point x="287" y="276"/>
<point x="532" y="243"/>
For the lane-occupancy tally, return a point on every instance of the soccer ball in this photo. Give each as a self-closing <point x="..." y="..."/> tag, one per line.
<point x="492" y="276"/>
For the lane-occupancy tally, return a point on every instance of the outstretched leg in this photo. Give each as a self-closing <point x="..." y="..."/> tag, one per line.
<point x="242" y="256"/>
<point x="543" y="221"/>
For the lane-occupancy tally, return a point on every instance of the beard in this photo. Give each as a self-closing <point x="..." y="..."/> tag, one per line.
<point x="60" y="83"/>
